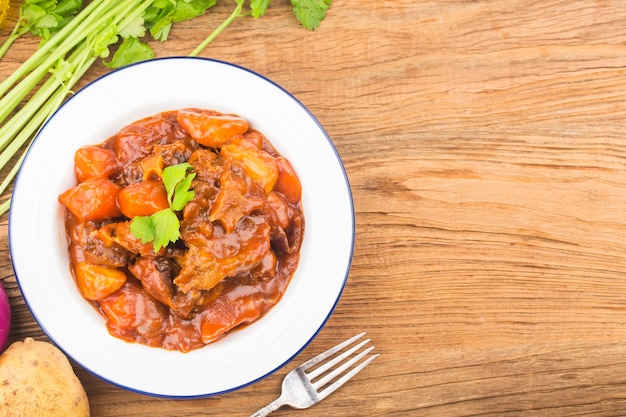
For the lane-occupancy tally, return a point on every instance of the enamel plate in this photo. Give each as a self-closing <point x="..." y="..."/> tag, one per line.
<point x="39" y="248"/>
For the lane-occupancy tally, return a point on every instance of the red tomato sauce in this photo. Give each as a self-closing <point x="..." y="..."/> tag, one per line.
<point x="240" y="234"/>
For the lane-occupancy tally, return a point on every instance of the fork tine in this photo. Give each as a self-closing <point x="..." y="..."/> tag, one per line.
<point x="328" y="365"/>
<point x="333" y="387"/>
<point x="336" y="372"/>
<point x="313" y="361"/>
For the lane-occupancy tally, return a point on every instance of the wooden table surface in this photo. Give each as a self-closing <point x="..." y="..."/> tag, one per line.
<point x="485" y="146"/>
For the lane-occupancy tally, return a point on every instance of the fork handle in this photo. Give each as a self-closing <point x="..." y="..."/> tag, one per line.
<point x="270" y="408"/>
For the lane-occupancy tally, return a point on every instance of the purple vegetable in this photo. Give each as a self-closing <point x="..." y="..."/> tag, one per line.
<point x="5" y="317"/>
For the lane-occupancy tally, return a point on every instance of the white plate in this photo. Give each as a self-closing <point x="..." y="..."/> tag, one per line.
<point x="39" y="249"/>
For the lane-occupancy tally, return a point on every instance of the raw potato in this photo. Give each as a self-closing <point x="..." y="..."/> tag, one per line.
<point x="37" y="379"/>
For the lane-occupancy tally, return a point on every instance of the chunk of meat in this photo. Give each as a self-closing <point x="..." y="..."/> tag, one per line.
<point x="133" y="141"/>
<point x="247" y="303"/>
<point x="174" y="153"/>
<point x="120" y="234"/>
<point x="89" y="244"/>
<point x="236" y="198"/>
<point x="226" y="254"/>
<point x="155" y="274"/>
<point x="207" y="165"/>
<point x="287" y="224"/>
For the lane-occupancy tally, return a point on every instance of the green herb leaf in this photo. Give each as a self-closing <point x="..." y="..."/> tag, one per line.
<point x="134" y="29"/>
<point x="166" y="227"/>
<point x="62" y="70"/>
<point x="310" y="12"/>
<point x="45" y="18"/>
<point x="258" y="7"/>
<point x="182" y="194"/>
<point x="143" y="228"/>
<point x="131" y="50"/>
<point x="159" y="18"/>
<point x="188" y="9"/>
<point x="172" y="175"/>
<point x="100" y="41"/>
<point x="163" y="226"/>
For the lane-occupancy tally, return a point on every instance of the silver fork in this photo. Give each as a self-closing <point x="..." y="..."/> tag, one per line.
<point x="301" y="389"/>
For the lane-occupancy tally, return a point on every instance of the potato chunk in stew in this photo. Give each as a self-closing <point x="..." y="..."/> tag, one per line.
<point x="233" y="243"/>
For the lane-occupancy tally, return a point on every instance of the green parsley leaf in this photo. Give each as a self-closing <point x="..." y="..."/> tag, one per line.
<point x="188" y="9"/>
<point x="172" y="175"/>
<point x="166" y="227"/>
<point x="163" y="227"/>
<point x="258" y="7"/>
<point x="100" y="41"/>
<point x="45" y="18"/>
<point x="131" y="50"/>
<point x="142" y="227"/>
<point x="182" y="194"/>
<point x="310" y="12"/>
<point x="62" y="70"/>
<point x="159" y="18"/>
<point x="163" y="13"/>
<point x="134" y="29"/>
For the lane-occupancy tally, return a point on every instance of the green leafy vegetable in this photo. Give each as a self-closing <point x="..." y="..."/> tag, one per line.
<point x="258" y="7"/>
<point x="43" y="18"/>
<point x="310" y="12"/>
<point x="181" y="194"/>
<point x="172" y="176"/>
<point x="131" y="50"/>
<point x="163" y="227"/>
<point x="142" y="227"/>
<point x="166" y="228"/>
<point x="188" y="9"/>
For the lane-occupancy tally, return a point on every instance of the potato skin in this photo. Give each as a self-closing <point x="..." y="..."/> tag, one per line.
<point x="37" y="379"/>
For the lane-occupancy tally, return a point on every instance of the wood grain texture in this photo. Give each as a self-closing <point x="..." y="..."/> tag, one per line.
<point x="484" y="144"/>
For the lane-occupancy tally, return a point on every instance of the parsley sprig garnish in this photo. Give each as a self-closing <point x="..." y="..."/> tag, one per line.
<point x="163" y="227"/>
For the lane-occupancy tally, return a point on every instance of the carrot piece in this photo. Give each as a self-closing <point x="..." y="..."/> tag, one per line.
<point x="142" y="198"/>
<point x="288" y="183"/>
<point x="94" y="199"/>
<point x="212" y="130"/>
<point x="94" y="162"/>
<point x="96" y="281"/>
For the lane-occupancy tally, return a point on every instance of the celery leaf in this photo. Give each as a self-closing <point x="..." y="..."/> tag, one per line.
<point x="258" y="7"/>
<point x="310" y="13"/>
<point x="166" y="228"/>
<point x="163" y="227"/>
<point x="143" y="228"/>
<point x="131" y="50"/>
<point x="188" y="9"/>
